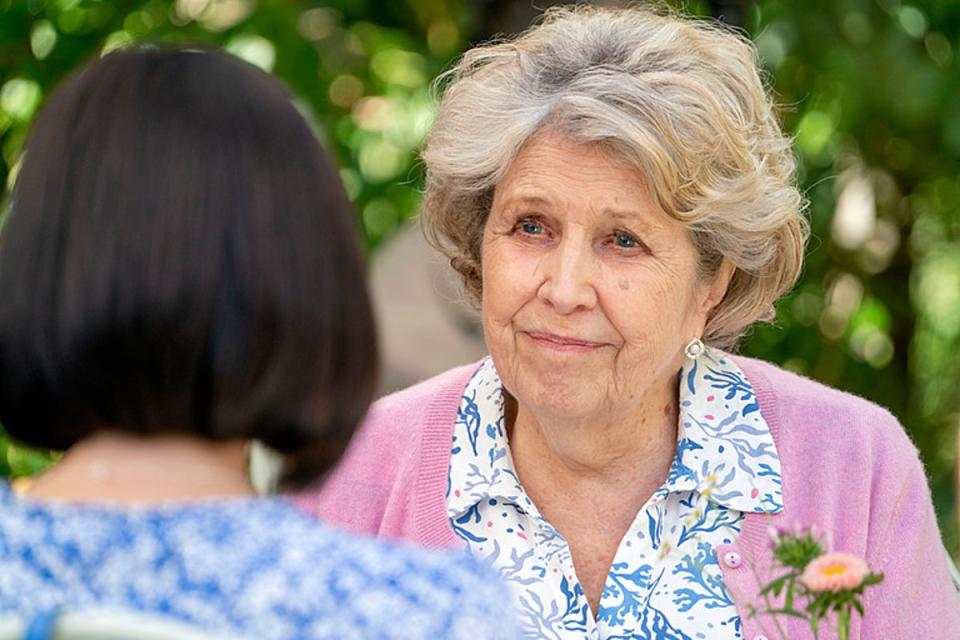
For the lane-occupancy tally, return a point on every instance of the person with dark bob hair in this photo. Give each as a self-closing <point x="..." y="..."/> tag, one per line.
<point x="180" y="257"/>
<point x="181" y="276"/>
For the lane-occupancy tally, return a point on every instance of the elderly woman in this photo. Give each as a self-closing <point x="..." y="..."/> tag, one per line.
<point x="616" y="192"/>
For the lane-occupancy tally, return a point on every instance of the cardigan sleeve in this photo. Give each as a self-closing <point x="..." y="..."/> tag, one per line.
<point x="917" y="598"/>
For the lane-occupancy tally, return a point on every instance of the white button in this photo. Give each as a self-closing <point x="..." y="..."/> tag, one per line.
<point x="760" y="636"/>
<point x="733" y="560"/>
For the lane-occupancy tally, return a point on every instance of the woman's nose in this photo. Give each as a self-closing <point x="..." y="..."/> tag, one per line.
<point x="568" y="278"/>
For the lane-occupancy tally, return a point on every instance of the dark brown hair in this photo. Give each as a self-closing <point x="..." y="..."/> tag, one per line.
<point x="180" y="257"/>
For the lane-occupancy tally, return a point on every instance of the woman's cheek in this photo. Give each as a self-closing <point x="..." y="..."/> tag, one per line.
<point x="507" y="284"/>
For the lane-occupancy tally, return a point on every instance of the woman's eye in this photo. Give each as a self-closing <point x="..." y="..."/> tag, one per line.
<point x="625" y="240"/>
<point x="530" y="227"/>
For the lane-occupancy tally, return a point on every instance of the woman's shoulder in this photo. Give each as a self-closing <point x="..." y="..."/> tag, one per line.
<point x="394" y="424"/>
<point x="413" y="401"/>
<point x="321" y="551"/>
<point x="445" y="592"/>
<point x="260" y="566"/>
<point x="817" y="426"/>
<point x="187" y="555"/>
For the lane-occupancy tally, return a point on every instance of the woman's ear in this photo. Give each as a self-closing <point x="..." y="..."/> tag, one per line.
<point x="717" y="288"/>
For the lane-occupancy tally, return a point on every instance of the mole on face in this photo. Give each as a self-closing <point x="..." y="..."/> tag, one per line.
<point x="666" y="409"/>
<point x="624" y="284"/>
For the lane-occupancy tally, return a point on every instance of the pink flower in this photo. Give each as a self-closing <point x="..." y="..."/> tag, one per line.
<point x="835" y="571"/>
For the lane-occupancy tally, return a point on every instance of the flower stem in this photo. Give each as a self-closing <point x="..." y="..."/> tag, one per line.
<point x="843" y="623"/>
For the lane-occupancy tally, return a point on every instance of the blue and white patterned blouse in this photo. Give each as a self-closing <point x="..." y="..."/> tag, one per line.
<point x="245" y="568"/>
<point x="665" y="581"/>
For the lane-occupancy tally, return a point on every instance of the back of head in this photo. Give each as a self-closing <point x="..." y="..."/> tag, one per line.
<point x="180" y="257"/>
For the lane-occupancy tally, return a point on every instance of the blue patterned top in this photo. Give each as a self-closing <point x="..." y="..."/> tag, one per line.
<point x="665" y="581"/>
<point x="251" y="568"/>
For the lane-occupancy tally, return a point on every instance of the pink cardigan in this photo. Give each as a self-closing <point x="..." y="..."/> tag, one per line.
<point x="848" y="468"/>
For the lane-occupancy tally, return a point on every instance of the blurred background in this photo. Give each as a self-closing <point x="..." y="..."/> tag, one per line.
<point x="869" y="88"/>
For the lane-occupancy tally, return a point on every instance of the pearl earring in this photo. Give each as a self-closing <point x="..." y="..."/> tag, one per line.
<point x="694" y="348"/>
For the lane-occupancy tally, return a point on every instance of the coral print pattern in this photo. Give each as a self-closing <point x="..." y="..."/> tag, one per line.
<point x="232" y="567"/>
<point x="665" y="581"/>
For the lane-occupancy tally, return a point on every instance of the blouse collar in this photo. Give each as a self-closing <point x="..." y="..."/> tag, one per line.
<point x="724" y="446"/>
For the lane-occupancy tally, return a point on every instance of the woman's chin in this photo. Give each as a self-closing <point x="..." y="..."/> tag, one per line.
<point x="564" y="384"/>
<point x="563" y="397"/>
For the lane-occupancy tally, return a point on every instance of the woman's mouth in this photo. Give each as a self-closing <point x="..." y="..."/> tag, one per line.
<point x="561" y="343"/>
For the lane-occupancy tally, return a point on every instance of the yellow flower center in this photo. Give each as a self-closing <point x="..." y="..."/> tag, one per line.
<point x="834" y="570"/>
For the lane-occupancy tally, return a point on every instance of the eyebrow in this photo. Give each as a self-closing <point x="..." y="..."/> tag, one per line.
<point x="633" y="217"/>
<point x="622" y="214"/>
<point x="513" y="201"/>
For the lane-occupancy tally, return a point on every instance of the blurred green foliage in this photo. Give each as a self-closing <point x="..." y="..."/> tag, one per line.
<point x="360" y="70"/>
<point x="869" y="88"/>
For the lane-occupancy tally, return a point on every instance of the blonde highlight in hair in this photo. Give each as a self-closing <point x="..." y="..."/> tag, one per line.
<point x="680" y="98"/>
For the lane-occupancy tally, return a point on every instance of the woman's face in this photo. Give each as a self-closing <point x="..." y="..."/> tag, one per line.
<point x="590" y="290"/>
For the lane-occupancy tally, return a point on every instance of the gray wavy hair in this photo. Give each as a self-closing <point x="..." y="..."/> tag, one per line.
<point x="681" y="98"/>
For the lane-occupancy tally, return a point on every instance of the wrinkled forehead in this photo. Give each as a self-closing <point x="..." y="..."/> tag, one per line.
<point x="554" y="172"/>
<point x="640" y="162"/>
<point x="554" y="167"/>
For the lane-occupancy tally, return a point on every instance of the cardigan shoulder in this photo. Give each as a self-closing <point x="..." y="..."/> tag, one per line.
<point x="391" y="430"/>
<point x="421" y="393"/>
<point x="813" y="423"/>
<point x="845" y="461"/>
<point x="394" y="422"/>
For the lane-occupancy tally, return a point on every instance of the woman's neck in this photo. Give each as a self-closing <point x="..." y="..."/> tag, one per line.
<point x="628" y="456"/>
<point x="118" y="467"/>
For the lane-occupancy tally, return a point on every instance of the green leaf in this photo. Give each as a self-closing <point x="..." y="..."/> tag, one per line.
<point x="873" y="578"/>
<point x="777" y="585"/>
<point x="788" y="612"/>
